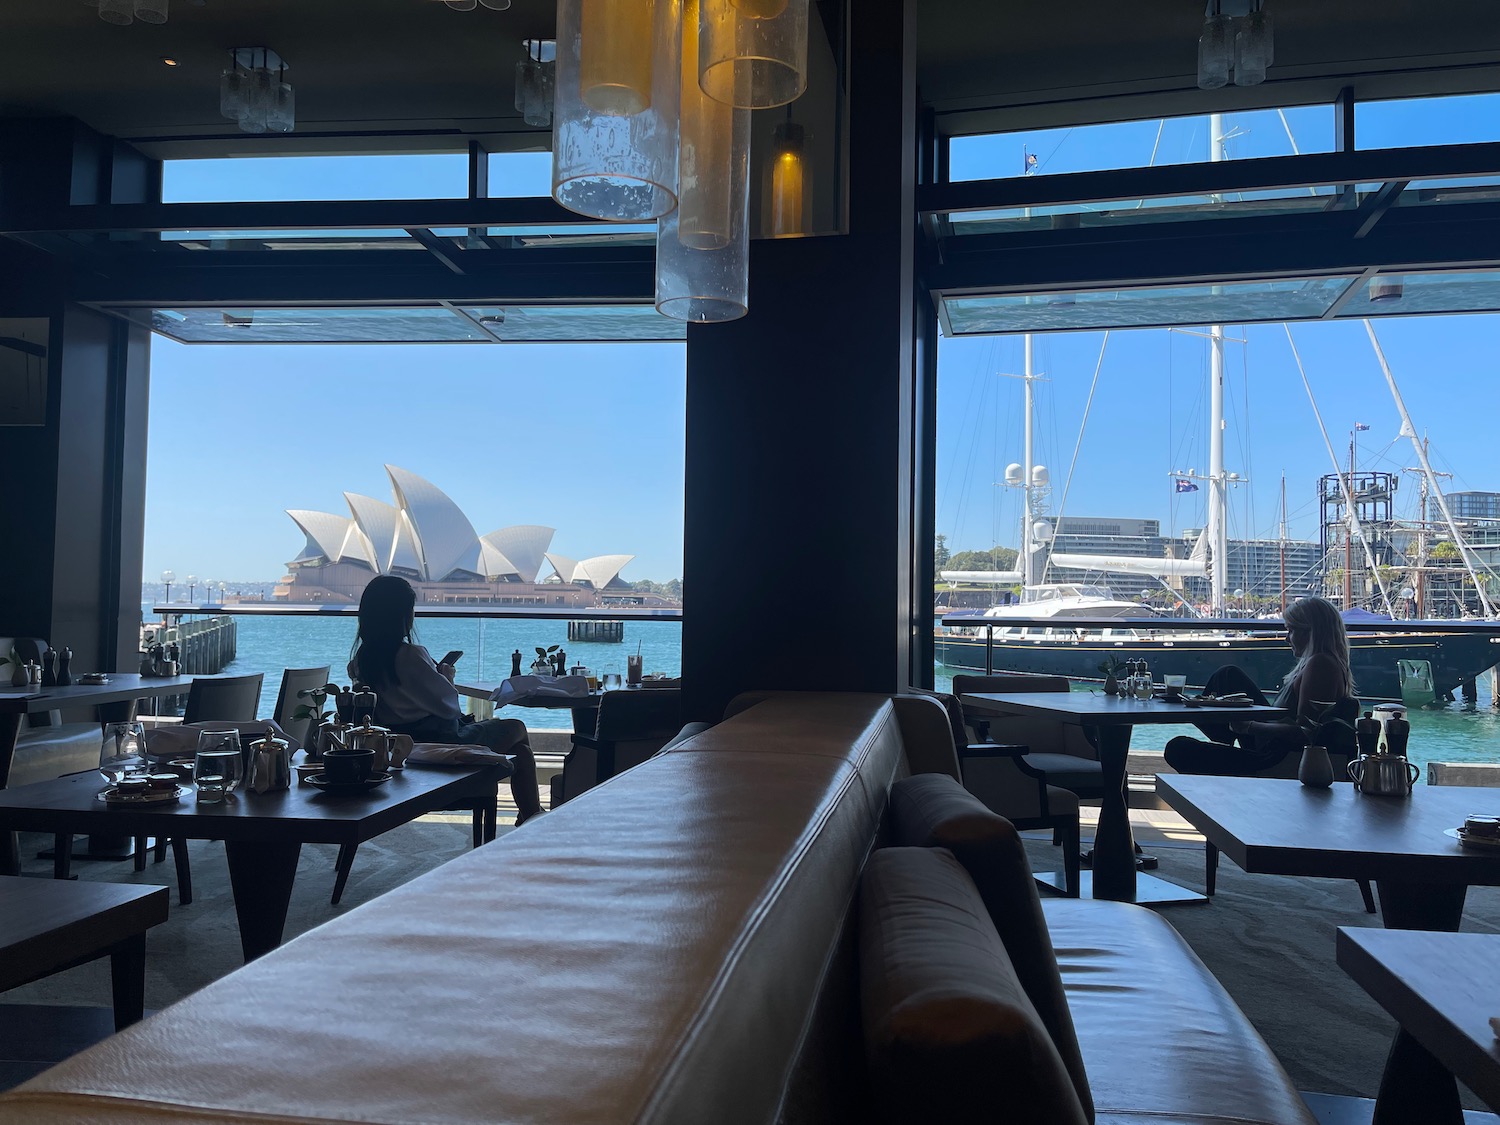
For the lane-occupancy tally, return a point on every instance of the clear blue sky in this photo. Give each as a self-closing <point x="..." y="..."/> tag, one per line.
<point x="1150" y="412"/>
<point x="588" y="438"/>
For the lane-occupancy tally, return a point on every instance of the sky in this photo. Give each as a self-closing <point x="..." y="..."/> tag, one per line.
<point x="588" y="439"/>
<point x="1150" y="411"/>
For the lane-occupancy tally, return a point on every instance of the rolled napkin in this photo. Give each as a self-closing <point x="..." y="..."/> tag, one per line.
<point x="521" y="689"/>
<point x="441" y="754"/>
<point x="180" y="740"/>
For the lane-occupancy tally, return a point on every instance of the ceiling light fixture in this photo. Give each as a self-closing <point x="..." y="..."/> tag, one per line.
<point x="536" y="79"/>
<point x="1237" y="44"/>
<point x="168" y="62"/>
<point x="123" y="12"/>
<point x="651" y="122"/>
<point x="253" y="91"/>
<point x="788" y="175"/>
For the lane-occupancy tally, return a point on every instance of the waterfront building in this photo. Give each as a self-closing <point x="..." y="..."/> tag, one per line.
<point x="1465" y="506"/>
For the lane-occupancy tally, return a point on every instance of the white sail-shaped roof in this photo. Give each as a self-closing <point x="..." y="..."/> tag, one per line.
<point x="492" y="561"/>
<point x="325" y="534"/>
<point x="377" y="520"/>
<point x="445" y="539"/>
<point x="564" y="566"/>
<point x="524" y="545"/>
<point x="601" y="570"/>
<point x="357" y="547"/>
<point x="404" y="551"/>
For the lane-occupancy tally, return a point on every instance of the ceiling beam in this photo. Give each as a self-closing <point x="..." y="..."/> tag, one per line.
<point x="439" y="247"/>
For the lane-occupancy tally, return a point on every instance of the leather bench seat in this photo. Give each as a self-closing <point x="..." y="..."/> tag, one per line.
<point x="653" y="951"/>
<point x="43" y="753"/>
<point x="1162" y="1042"/>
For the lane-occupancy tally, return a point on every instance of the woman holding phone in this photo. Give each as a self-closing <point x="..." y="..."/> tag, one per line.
<point x="416" y="696"/>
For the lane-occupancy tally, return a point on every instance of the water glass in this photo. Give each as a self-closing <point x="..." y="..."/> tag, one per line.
<point x="123" y="751"/>
<point x="611" y="681"/>
<point x="219" y="765"/>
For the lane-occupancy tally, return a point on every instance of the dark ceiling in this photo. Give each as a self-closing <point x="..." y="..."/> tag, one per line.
<point x="434" y="77"/>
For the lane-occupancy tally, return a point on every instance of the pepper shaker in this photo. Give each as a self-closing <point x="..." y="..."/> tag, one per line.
<point x="515" y="663"/>
<point x="49" y="668"/>
<point x="64" y="659"/>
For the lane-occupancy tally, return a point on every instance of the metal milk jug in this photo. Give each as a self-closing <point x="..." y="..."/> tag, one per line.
<point x="370" y="737"/>
<point x="270" y="764"/>
<point x="1383" y="775"/>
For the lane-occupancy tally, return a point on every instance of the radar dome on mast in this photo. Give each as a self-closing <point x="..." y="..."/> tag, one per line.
<point x="1013" y="474"/>
<point x="1041" y="531"/>
<point x="1040" y="476"/>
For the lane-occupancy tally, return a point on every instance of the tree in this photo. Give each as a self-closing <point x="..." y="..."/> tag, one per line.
<point x="996" y="558"/>
<point x="941" y="554"/>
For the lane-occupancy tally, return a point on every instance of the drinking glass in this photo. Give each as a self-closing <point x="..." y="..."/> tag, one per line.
<point x="219" y="765"/>
<point x="123" y="751"/>
<point x="611" y="681"/>
<point x="633" y="668"/>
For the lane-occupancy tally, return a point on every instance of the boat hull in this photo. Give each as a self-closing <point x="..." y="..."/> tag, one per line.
<point x="1386" y="666"/>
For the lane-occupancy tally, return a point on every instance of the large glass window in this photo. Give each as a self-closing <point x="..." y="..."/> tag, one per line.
<point x="1409" y="122"/>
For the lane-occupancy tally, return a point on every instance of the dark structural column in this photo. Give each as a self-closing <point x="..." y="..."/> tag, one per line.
<point x="72" y="489"/>
<point x="800" y="439"/>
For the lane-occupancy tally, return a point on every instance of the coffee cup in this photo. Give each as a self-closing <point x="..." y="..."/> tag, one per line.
<point x="162" y="782"/>
<point x="348" y="767"/>
<point x="1174" y="686"/>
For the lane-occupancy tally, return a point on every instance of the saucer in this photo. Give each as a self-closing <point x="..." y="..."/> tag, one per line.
<point x="1472" y="841"/>
<point x="113" y="796"/>
<point x="320" y="781"/>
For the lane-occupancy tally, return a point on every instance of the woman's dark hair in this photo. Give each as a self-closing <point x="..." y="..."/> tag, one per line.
<point x="385" y="617"/>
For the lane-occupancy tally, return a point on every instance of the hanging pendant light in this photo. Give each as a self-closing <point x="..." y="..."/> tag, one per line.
<point x="535" y="82"/>
<point x="749" y="60"/>
<point x="117" y="11"/>
<point x="705" y="163"/>
<point x="708" y="286"/>
<point x="1215" y="50"/>
<point x="788" y="188"/>
<point x="1253" y="46"/>
<point x="616" y="109"/>
<point x="151" y="11"/>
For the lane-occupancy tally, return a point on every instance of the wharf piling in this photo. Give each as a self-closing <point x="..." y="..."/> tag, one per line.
<point x="205" y="645"/>
<point x="603" y="632"/>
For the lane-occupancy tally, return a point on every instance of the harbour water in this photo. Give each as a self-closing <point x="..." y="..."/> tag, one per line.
<point x="270" y="644"/>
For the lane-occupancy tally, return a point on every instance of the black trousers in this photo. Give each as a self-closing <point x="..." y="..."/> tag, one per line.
<point x="1219" y="754"/>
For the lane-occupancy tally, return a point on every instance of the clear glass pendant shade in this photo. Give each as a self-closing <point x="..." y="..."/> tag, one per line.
<point x="788" y="182"/>
<point x="615" y="114"/>
<point x="1215" y="52"/>
<point x="749" y="60"/>
<point x="535" y="84"/>
<point x="705" y="163"/>
<point x="702" y="286"/>
<point x="151" y="11"/>
<point x="282" y="115"/>
<point x="117" y="11"/>
<point x="1253" y="46"/>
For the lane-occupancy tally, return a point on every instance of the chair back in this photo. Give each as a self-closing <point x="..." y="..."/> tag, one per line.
<point x="231" y="699"/>
<point x="28" y="648"/>
<point x="927" y="733"/>
<point x="1041" y="734"/>
<point x="635" y="719"/>
<point x="294" y="680"/>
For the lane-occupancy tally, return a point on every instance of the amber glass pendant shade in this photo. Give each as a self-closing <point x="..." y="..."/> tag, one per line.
<point x="615" y="116"/>
<point x="702" y="286"/>
<point x="789" y="187"/>
<point x="750" y="62"/>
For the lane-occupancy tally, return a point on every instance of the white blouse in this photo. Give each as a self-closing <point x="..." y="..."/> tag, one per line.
<point x="423" y="692"/>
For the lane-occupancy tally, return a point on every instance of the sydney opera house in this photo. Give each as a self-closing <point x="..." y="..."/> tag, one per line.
<point x="426" y="538"/>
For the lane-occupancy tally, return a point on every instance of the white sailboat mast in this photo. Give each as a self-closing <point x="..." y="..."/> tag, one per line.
<point x="1028" y="554"/>
<point x="1437" y="492"/>
<point x="1218" y="533"/>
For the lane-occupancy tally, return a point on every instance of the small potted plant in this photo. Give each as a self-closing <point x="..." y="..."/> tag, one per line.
<point x="19" y="677"/>
<point x="1315" y="769"/>
<point x="314" y="713"/>
<point x="1110" y="669"/>
<point x="542" y="665"/>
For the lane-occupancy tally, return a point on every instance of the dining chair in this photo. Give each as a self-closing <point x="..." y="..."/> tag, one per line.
<point x="294" y="680"/>
<point x="994" y="773"/>
<point x="631" y="726"/>
<point x="229" y="699"/>
<point x="1057" y="753"/>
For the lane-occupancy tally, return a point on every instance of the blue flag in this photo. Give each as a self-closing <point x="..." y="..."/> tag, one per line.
<point x="1030" y="161"/>
<point x="1360" y="426"/>
<point x="1186" y="486"/>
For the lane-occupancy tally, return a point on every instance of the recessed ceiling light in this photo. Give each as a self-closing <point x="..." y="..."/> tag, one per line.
<point x="168" y="62"/>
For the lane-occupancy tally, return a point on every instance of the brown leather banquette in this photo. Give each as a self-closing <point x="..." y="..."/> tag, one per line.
<point x="677" y="945"/>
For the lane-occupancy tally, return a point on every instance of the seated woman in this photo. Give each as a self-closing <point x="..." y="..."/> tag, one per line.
<point x="417" y="697"/>
<point x="1320" y="677"/>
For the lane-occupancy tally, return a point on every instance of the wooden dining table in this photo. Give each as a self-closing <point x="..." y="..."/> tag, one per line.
<point x="1110" y="719"/>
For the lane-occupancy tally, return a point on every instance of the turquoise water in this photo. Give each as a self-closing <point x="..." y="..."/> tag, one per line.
<point x="1446" y="734"/>
<point x="270" y="644"/>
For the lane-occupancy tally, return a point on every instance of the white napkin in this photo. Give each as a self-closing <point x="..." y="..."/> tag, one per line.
<point x="440" y="754"/>
<point x="518" y="689"/>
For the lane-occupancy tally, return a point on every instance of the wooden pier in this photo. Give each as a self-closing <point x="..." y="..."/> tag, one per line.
<point x="205" y="644"/>
<point x="602" y="632"/>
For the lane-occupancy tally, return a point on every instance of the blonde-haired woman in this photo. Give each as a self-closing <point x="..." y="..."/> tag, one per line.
<point x="1320" y="678"/>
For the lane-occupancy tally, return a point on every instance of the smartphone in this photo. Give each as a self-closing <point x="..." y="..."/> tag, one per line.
<point x="453" y="657"/>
